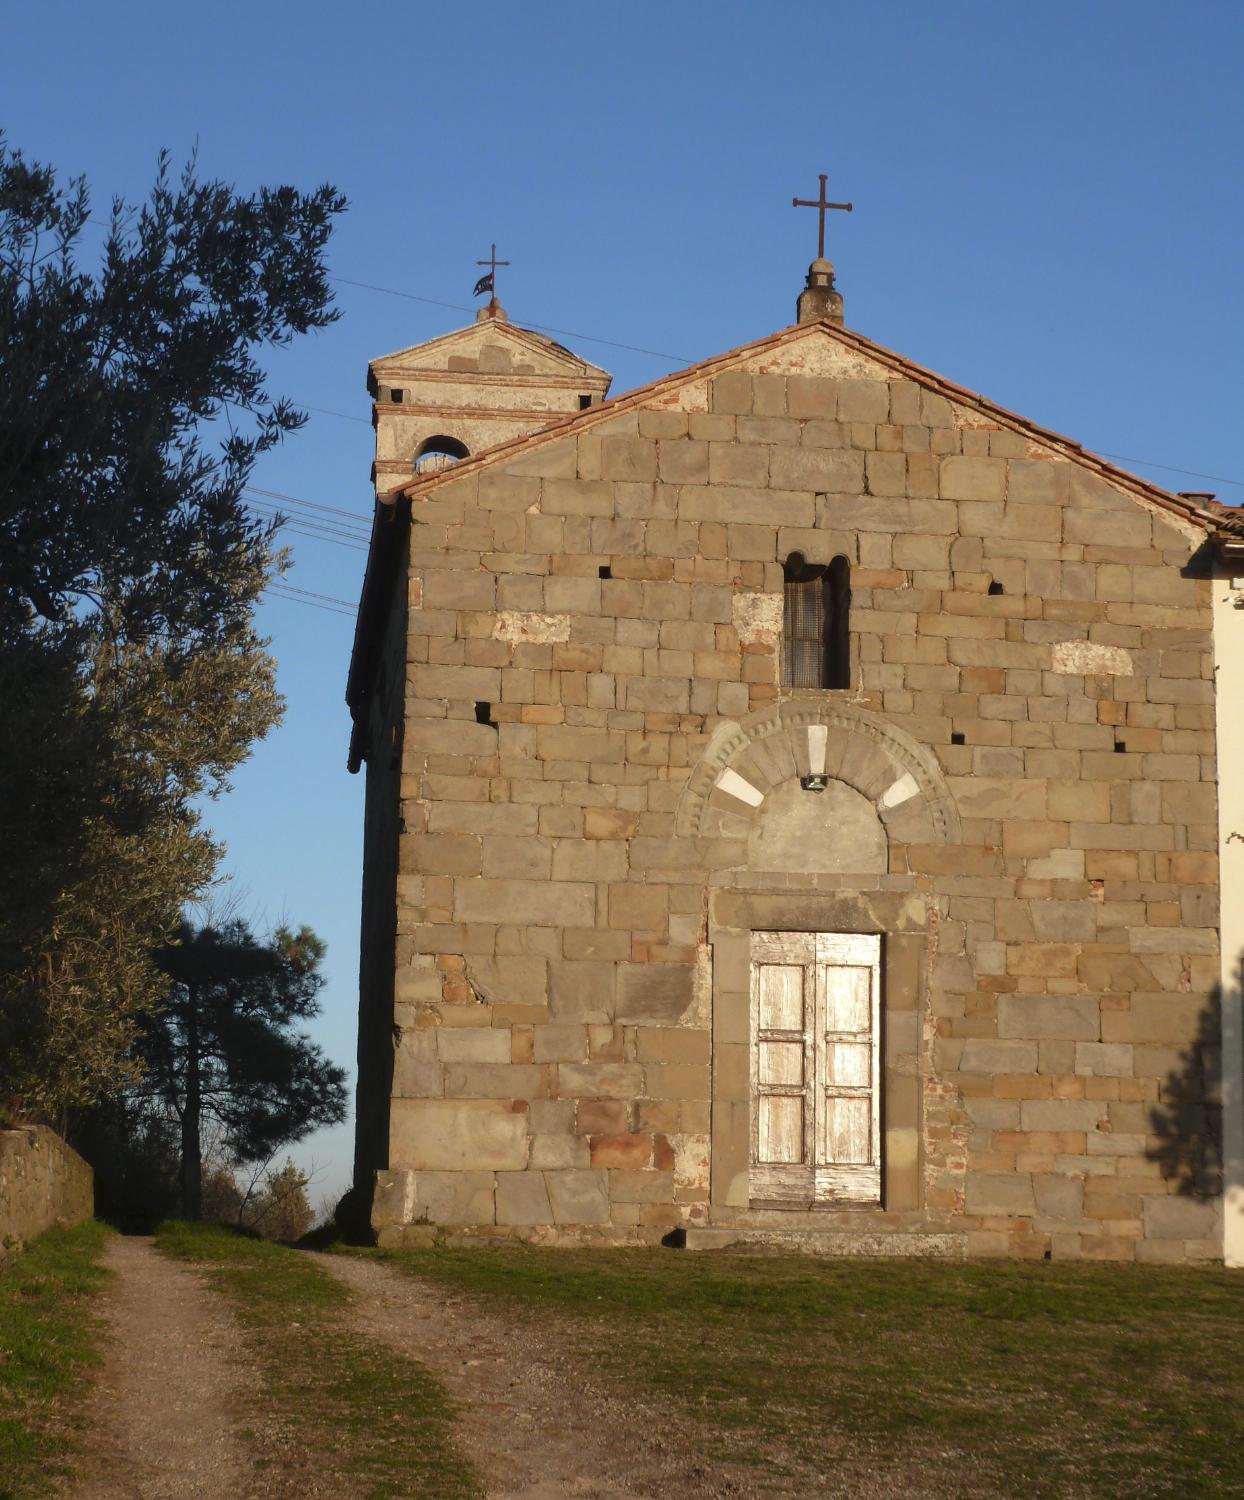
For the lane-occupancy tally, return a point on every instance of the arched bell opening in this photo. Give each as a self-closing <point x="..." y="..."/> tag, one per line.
<point x="439" y="452"/>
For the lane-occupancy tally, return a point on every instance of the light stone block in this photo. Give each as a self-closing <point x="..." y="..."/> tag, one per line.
<point x="559" y="1043"/>
<point x="522" y="1198"/>
<point x="981" y="1055"/>
<point x="1178" y="1217"/>
<point x="453" y="1197"/>
<point x="579" y="1197"/>
<point x="1104" y="1059"/>
<point x="1037" y="1017"/>
<point x="476" y="1044"/>
<point x="599" y="1080"/>
<point x="1058" y="1197"/>
<point x="457" y="1135"/>
<point x="999" y="1193"/>
<point x="558" y="1152"/>
<point x="654" y="994"/>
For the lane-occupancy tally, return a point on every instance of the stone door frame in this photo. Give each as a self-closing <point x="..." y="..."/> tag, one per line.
<point x="900" y="918"/>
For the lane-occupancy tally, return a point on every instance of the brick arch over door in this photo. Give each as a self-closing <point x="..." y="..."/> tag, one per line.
<point x="747" y="761"/>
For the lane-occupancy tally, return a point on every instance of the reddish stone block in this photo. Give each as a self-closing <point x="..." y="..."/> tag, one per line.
<point x="628" y="1151"/>
<point x="662" y="1154"/>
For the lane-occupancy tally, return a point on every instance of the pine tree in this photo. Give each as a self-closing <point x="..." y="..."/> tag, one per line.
<point x="223" y="1046"/>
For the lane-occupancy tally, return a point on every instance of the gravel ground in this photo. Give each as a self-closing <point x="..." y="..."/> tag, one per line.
<point x="177" y="1410"/>
<point x="173" y="1390"/>
<point x="534" y="1422"/>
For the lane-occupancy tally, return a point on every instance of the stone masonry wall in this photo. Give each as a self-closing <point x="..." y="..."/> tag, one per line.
<point x="1029" y="641"/>
<point x="42" y="1182"/>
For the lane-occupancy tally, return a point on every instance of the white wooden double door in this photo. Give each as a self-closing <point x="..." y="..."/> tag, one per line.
<point x="815" y="1068"/>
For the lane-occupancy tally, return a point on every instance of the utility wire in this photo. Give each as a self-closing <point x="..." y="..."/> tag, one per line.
<point x="311" y="594"/>
<point x="320" y="528"/>
<point x="1172" y="469"/>
<point x="320" y="537"/>
<point x="324" y="412"/>
<point x="568" y="333"/>
<point x="353" y="515"/>
<point x="656" y="354"/>
<point x="274" y="591"/>
<point x="301" y="527"/>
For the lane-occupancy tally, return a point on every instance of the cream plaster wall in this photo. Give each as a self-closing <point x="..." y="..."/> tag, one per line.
<point x="1229" y="669"/>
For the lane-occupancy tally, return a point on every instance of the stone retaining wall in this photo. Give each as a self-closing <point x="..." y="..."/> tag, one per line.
<point x="42" y="1182"/>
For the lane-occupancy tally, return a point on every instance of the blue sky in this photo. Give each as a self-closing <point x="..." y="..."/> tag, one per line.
<point x="1047" y="209"/>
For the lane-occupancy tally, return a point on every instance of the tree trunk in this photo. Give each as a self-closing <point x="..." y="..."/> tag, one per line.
<point x="191" y="1145"/>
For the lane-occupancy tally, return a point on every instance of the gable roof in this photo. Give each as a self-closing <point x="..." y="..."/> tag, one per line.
<point x="1188" y="509"/>
<point x="549" y="350"/>
<point x="1222" y="522"/>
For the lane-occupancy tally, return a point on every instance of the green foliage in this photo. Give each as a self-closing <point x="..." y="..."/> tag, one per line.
<point x="223" y="1046"/>
<point x="107" y="491"/>
<point x="970" y="1380"/>
<point x="281" y="1209"/>
<point x="48" y="1341"/>
<point x="375" y="1423"/>
<point x="132" y="679"/>
<point x="275" y="1206"/>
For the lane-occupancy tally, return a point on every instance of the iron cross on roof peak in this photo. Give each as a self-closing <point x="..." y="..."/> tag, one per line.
<point x="488" y="282"/>
<point x="822" y="204"/>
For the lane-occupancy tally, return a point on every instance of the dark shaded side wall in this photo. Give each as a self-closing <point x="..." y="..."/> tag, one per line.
<point x="381" y="830"/>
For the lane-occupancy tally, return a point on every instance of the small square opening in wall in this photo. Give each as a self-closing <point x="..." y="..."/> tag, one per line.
<point x="995" y="587"/>
<point x="483" y="714"/>
<point x="958" y="738"/>
<point x="584" y="402"/>
<point x="396" y="395"/>
<point x="1120" y="747"/>
<point x="604" y="571"/>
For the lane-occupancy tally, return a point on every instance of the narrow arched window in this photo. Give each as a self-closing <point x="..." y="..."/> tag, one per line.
<point x="838" y="624"/>
<point x="816" y="636"/>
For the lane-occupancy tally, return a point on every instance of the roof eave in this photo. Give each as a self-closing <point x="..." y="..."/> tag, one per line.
<point x="705" y="369"/>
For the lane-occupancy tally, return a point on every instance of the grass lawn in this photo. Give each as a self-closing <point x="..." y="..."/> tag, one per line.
<point x="48" y="1340"/>
<point x="906" y="1377"/>
<point x="363" y="1412"/>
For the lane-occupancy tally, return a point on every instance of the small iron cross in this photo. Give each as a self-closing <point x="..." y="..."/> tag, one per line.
<point x="818" y="203"/>
<point x="489" y="283"/>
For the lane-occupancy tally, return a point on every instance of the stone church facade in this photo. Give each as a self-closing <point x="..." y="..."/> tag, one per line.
<point x="791" y="813"/>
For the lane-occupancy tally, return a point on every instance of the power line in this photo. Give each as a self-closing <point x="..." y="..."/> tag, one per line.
<point x="332" y="510"/>
<point x="320" y="528"/>
<point x="568" y="333"/>
<point x="1173" y="469"/>
<point x="389" y="291"/>
<point x="345" y="416"/>
<point x="274" y="591"/>
<point x="324" y="537"/>
<point x="301" y="527"/>
<point x="310" y="525"/>
<point x="311" y="594"/>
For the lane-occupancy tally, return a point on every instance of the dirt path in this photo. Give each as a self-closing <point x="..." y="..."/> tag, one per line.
<point x="177" y="1408"/>
<point x="167" y="1404"/>
<point x="535" y="1423"/>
